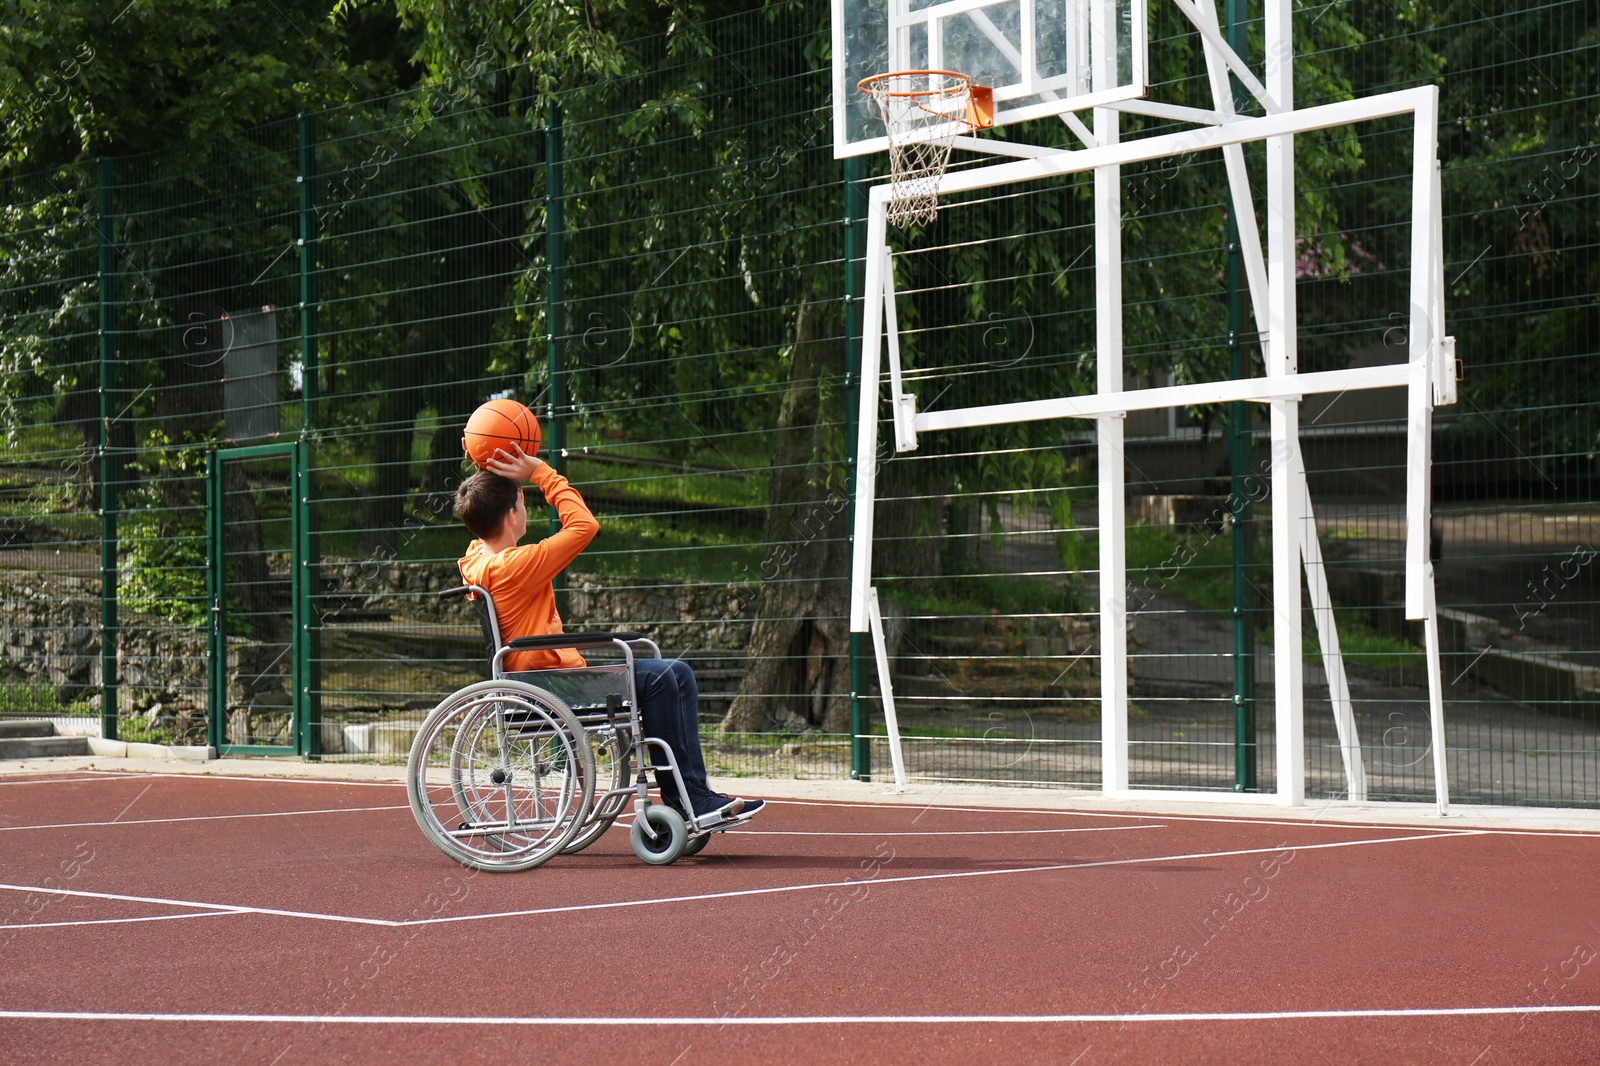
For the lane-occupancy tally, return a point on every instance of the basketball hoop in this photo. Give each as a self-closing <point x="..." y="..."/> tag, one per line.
<point x="923" y="112"/>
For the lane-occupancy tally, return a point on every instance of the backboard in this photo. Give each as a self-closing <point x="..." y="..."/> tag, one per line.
<point x="1041" y="57"/>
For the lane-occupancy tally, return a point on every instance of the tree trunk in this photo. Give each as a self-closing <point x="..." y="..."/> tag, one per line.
<point x="798" y="674"/>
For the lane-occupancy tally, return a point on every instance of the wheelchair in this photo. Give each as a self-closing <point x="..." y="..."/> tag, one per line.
<point x="508" y="773"/>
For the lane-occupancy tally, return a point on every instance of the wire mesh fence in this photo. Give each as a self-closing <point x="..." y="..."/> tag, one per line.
<point x="236" y="376"/>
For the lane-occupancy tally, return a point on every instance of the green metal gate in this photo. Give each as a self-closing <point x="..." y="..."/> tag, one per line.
<point x="260" y="659"/>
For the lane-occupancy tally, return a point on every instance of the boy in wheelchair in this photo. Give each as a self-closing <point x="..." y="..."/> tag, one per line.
<point x="490" y="504"/>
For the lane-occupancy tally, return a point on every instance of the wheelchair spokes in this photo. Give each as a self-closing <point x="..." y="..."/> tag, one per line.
<point x="501" y="776"/>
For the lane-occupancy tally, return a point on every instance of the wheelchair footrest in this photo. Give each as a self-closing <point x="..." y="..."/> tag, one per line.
<point x="722" y="823"/>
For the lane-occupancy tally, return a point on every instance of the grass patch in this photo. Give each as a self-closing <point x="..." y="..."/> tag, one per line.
<point x="997" y="594"/>
<point x="1196" y="566"/>
<point x="681" y="549"/>
<point x="139" y="731"/>
<point x="1360" y="644"/>
<point x="1199" y="567"/>
<point x="652" y="485"/>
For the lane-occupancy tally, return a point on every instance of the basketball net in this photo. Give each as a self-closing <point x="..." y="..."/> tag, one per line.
<point x="923" y="112"/>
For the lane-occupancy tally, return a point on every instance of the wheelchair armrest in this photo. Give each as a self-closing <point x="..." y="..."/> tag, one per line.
<point x="570" y="640"/>
<point x="459" y="592"/>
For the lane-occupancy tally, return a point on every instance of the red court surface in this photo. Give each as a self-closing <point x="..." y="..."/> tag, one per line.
<point x="207" y="918"/>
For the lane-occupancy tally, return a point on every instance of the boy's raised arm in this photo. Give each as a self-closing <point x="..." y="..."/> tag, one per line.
<point x="578" y="524"/>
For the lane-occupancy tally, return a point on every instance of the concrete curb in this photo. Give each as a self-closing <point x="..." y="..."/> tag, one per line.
<point x="119" y="749"/>
<point x="920" y="795"/>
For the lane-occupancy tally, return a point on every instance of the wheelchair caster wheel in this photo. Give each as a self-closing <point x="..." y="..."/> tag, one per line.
<point x="696" y="846"/>
<point x="671" y="835"/>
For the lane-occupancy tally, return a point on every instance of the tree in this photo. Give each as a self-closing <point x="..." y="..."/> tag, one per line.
<point x="85" y="79"/>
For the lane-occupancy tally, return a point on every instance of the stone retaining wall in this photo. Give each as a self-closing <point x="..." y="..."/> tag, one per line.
<point x="704" y="618"/>
<point x="50" y="632"/>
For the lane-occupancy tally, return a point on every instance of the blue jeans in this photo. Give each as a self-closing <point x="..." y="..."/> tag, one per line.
<point x="669" y="704"/>
<point x="669" y="707"/>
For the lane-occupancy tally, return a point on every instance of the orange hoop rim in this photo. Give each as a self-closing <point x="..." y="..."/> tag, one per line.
<point x="869" y="85"/>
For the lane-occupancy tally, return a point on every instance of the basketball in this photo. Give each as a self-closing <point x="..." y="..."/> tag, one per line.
<point x="499" y="424"/>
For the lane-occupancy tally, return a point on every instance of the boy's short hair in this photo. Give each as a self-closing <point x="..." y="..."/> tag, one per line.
<point x="484" y="500"/>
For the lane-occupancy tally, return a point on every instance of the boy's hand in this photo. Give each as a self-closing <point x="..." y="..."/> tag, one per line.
<point x="515" y="464"/>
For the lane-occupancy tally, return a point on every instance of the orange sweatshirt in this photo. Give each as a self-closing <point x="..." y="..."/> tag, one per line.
<point x="519" y="578"/>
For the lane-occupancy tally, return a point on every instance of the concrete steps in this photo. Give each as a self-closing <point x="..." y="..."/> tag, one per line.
<point x="33" y="739"/>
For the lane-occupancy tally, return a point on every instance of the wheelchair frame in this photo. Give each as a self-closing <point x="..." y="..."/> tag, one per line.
<point x="517" y="767"/>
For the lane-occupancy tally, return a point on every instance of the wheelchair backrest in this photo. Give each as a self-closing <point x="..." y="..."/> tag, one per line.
<point x="488" y="620"/>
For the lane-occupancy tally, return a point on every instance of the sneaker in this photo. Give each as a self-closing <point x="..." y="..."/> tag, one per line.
<point x="720" y="807"/>
<point x="706" y="804"/>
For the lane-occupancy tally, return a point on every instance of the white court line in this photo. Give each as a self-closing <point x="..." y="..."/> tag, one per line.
<point x="42" y="779"/>
<point x="1302" y="823"/>
<point x="908" y="878"/>
<point x="194" y="905"/>
<point x="199" y="818"/>
<point x="1541" y="833"/>
<point x="781" y="1020"/>
<point x="733" y="894"/>
<point x="1306" y="823"/>
<point x="124" y="775"/>
<point x="752" y="832"/>
<point x="119" y="921"/>
<point x="208" y="776"/>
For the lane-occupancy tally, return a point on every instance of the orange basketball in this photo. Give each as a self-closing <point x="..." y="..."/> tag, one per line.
<point x="499" y="424"/>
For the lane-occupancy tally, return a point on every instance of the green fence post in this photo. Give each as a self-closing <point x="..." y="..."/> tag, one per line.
<point x="216" y="639"/>
<point x="305" y="575"/>
<point x="555" y="244"/>
<point x="855" y="243"/>
<point x="108" y="460"/>
<point x="1239" y="459"/>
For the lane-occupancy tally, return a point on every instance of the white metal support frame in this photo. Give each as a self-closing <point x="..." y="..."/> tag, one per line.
<point x="1428" y="377"/>
<point x="880" y="651"/>
<point x="1344" y="719"/>
<point x="1288" y="672"/>
<point x="1110" y="429"/>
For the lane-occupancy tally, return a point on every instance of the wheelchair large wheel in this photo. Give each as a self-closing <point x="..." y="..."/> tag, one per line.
<point x="613" y="761"/>
<point x="500" y="776"/>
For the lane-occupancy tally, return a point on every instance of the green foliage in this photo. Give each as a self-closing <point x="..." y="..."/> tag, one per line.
<point x="1199" y="568"/>
<point x="664" y="548"/>
<point x="980" y="596"/>
<point x="162" y="571"/>
<point x="38" y="700"/>
<point x="140" y="731"/>
<point x="1196" y="566"/>
<point x="1360" y="644"/>
<point x="84" y="78"/>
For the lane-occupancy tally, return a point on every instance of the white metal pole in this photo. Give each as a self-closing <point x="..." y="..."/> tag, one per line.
<point x="1289" y="710"/>
<point x="880" y="652"/>
<point x="1430" y="637"/>
<point x="1240" y="201"/>
<point x="1166" y="145"/>
<point x="902" y="405"/>
<point x="1422" y="335"/>
<point x="1108" y="371"/>
<point x="867" y="414"/>
<point x="1344" y="719"/>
